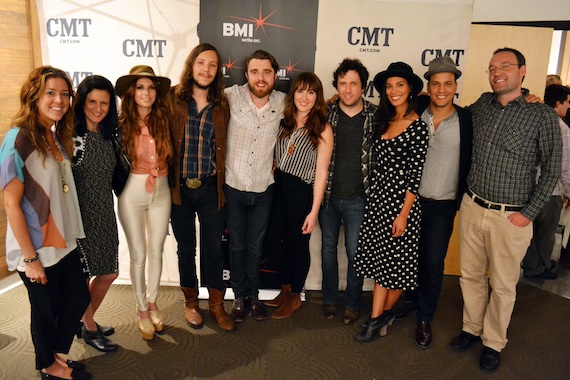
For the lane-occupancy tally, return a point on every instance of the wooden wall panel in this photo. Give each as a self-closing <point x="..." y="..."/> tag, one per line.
<point x="17" y="61"/>
<point x="534" y="44"/>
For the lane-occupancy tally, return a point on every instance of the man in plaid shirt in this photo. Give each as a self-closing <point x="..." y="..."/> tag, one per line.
<point x="511" y="138"/>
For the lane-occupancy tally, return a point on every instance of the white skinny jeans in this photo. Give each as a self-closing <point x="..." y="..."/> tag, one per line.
<point x="144" y="217"/>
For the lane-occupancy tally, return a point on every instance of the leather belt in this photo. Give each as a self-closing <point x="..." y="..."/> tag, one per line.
<point x="196" y="183"/>
<point x="490" y="205"/>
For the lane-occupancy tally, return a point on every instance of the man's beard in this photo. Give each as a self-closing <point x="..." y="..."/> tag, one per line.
<point x="259" y="94"/>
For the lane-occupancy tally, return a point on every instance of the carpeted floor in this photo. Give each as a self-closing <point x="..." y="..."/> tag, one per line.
<point x="305" y="346"/>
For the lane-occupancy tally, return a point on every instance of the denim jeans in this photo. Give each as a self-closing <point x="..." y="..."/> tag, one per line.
<point x="204" y="202"/>
<point x="349" y="212"/>
<point x="247" y="214"/>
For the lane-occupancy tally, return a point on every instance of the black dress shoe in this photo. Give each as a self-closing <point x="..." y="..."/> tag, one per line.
<point x="405" y="309"/>
<point x="98" y="341"/>
<point x="329" y="311"/>
<point x="75" y="365"/>
<point x="75" y="374"/>
<point x="239" y="311"/>
<point x="424" y="336"/>
<point x="490" y="359"/>
<point x="464" y="341"/>
<point x="258" y="310"/>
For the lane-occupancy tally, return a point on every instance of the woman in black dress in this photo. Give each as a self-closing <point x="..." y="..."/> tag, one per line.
<point x="93" y="165"/>
<point x="388" y="242"/>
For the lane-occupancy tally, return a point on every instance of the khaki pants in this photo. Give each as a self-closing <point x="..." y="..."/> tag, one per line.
<point x="488" y="240"/>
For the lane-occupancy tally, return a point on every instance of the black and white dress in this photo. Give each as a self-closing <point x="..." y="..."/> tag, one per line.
<point x="393" y="262"/>
<point x="93" y="165"/>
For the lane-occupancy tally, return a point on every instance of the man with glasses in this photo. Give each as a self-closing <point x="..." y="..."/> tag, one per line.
<point x="510" y="139"/>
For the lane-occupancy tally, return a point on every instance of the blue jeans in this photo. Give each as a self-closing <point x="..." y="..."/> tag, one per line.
<point x="349" y="212"/>
<point x="247" y="215"/>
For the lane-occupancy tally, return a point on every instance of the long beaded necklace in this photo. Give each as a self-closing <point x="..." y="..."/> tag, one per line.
<point x="61" y="165"/>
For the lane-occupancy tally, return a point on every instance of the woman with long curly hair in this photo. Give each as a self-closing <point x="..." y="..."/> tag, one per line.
<point x="302" y="155"/>
<point x="44" y="220"/>
<point x="94" y="163"/>
<point x="144" y="204"/>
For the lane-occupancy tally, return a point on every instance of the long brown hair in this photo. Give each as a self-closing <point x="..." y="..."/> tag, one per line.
<point x="216" y="93"/>
<point x="157" y="122"/>
<point x="27" y="117"/>
<point x="317" y="117"/>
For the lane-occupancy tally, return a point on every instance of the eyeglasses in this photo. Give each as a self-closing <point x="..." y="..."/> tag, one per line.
<point x="504" y="67"/>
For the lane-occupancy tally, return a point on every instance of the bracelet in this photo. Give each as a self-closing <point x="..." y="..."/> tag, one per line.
<point x="29" y="261"/>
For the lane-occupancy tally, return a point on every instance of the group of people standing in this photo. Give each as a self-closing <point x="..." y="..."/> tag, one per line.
<point x="269" y="165"/>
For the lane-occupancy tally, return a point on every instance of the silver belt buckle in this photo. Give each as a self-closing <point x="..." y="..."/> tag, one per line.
<point x="193" y="183"/>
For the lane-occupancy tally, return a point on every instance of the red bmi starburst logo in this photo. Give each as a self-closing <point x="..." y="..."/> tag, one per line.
<point x="247" y="29"/>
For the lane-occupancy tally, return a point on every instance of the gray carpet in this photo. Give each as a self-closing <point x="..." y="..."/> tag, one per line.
<point x="305" y="346"/>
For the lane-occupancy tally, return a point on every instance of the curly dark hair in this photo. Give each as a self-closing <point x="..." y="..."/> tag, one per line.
<point x="351" y="64"/>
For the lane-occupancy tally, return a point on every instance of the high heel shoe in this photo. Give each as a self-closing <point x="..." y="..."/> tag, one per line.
<point x="374" y="325"/>
<point x="97" y="340"/>
<point x="157" y="319"/>
<point x="147" y="328"/>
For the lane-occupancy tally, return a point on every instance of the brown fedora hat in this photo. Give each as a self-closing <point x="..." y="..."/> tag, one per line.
<point x="142" y="71"/>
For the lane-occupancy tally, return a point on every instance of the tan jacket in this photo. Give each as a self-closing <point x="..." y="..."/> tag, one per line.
<point x="220" y="117"/>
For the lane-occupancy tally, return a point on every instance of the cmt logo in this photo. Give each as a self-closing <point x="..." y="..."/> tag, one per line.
<point x="143" y="48"/>
<point x="62" y="27"/>
<point x="77" y="76"/>
<point x="365" y="36"/>
<point x="429" y="54"/>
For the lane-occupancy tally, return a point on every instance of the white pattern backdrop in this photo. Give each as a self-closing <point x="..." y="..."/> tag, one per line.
<point x="85" y="37"/>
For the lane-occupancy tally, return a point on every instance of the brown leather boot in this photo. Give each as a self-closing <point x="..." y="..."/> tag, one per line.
<point x="289" y="306"/>
<point x="217" y="311"/>
<point x="277" y="301"/>
<point x="191" y="308"/>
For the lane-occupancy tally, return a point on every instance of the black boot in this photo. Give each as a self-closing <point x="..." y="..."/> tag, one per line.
<point x="374" y="325"/>
<point x="97" y="340"/>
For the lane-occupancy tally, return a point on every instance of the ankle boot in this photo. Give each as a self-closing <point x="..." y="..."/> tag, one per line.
<point x="97" y="340"/>
<point x="291" y="303"/>
<point x="277" y="301"/>
<point x="191" y="308"/>
<point x="217" y="311"/>
<point x="374" y="325"/>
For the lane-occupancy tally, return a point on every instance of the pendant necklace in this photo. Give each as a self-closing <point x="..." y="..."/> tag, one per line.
<point x="61" y="165"/>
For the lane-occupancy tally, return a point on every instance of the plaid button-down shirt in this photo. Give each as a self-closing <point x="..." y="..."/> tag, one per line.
<point x="508" y="144"/>
<point x="367" y="159"/>
<point x="198" y="146"/>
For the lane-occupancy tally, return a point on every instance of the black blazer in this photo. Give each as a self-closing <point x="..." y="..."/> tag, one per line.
<point x="466" y="143"/>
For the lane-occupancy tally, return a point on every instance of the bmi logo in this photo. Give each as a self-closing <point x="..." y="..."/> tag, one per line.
<point x="248" y="26"/>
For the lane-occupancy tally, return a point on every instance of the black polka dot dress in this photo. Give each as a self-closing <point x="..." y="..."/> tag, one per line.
<point x="393" y="262"/>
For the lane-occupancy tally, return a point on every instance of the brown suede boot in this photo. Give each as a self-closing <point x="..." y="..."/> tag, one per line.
<point x="217" y="311"/>
<point x="277" y="301"/>
<point x="289" y="306"/>
<point x="191" y="308"/>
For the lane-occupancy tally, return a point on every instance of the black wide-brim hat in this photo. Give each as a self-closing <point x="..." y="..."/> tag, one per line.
<point x="399" y="69"/>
